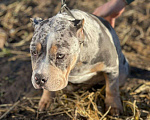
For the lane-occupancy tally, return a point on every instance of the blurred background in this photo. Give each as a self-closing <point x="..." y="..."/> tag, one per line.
<point x="133" y="29"/>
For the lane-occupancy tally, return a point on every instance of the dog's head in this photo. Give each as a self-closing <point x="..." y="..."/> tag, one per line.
<point x="54" y="51"/>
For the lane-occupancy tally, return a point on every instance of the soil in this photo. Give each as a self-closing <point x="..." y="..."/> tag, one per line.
<point x="133" y="29"/>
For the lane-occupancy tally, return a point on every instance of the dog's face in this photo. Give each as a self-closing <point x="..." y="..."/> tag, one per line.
<point x="54" y="51"/>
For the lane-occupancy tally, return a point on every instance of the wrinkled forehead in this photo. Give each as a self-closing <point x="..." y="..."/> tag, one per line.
<point x="45" y="27"/>
<point x="56" y="30"/>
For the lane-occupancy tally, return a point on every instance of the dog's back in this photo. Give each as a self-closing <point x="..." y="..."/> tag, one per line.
<point x="100" y="36"/>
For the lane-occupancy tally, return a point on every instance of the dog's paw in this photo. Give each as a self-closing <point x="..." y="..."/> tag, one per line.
<point x="44" y="103"/>
<point x="116" y="106"/>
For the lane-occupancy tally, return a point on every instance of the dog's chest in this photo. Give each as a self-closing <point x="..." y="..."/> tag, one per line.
<point x="81" y="78"/>
<point x="83" y="73"/>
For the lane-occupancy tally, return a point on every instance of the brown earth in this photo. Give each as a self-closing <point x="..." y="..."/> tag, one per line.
<point x="133" y="29"/>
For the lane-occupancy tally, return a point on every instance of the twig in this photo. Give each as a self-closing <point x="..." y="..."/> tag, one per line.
<point x="6" y="105"/>
<point x="134" y="109"/>
<point x="8" y="111"/>
<point x="105" y="113"/>
<point x="28" y="108"/>
<point x="127" y="36"/>
<point x="59" y="113"/>
<point x="69" y="115"/>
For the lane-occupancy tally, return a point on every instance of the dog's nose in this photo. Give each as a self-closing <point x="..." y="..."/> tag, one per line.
<point x="39" y="79"/>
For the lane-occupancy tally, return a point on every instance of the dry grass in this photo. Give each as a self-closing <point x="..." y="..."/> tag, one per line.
<point x="82" y="104"/>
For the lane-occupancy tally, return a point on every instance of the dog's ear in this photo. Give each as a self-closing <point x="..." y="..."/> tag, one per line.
<point x="35" y="21"/>
<point x="78" y="24"/>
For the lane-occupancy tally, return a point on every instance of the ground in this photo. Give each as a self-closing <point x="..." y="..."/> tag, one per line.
<point x="18" y="98"/>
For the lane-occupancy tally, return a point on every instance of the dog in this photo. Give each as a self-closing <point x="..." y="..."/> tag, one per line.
<point x="64" y="49"/>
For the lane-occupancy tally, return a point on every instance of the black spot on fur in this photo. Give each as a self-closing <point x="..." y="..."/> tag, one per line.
<point x="70" y="34"/>
<point x="65" y="44"/>
<point x="124" y="61"/>
<point x="84" y="62"/>
<point x="43" y="22"/>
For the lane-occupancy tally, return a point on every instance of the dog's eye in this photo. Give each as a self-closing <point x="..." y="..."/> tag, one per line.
<point x="34" y="53"/>
<point x="60" y="56"/>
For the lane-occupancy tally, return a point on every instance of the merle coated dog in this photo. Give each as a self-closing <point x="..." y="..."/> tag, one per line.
<point x="64" y="49"/>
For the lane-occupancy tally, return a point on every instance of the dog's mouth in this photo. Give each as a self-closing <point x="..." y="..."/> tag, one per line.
<point x="51" y="85"/>
<point x="40" y="87"/>
<point x="52" y="79"/>
<point x="55" y="85"/>
<point x="37" y="86"/>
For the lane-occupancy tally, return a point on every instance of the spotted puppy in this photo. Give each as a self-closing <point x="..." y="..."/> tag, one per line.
<point x="66" y="49"/>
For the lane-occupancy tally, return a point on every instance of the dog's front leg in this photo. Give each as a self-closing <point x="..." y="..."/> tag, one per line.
<point x="46" y="99"/>
<point x="112" y="94"/>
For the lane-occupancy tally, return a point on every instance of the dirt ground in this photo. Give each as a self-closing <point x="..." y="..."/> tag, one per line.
<point x="18" y="98"/>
